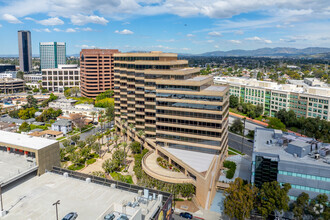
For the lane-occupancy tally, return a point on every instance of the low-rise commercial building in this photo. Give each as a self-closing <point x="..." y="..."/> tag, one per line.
<point x="8" y="85"/>
<point x="184" y="117"/>
<point x="8" y="74"/>
<point x="286" y="158"/>
<point x="62" y="103"/>
<point x="32" y="77"/>
<point x="7" y="67"/>
<point x="65" y="76"/>
<point x="305" y="101"/>
<point x="45" y="152"/>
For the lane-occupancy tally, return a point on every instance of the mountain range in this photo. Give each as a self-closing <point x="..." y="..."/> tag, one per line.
<point x="309" y="52"/>
<point x="270" y="52"/>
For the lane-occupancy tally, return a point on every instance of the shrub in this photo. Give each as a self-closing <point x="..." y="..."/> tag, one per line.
<point x="232" y="168"/>
<point x="76" y="167"/>
<point x="91" y="161"/>
<point x="122" y="178"/>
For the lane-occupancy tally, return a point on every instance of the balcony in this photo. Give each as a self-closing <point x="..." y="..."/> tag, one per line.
<point x="151" y="167"/>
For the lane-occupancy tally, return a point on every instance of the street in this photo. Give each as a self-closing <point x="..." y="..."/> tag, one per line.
<point x="248" y="125"/>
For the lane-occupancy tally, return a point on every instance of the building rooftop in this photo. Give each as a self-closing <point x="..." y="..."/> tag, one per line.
<point x="12" y="165"/>
<point x="197" y="160"/>
<point x="295" y="87"/>
<point x="216" y="88"/>
<point x="33" y="199"/>
<point x="265" y="142"/>
<point x="23" y="140"/>
<point x="199" y="78"/>
<point x="62" y="122"/>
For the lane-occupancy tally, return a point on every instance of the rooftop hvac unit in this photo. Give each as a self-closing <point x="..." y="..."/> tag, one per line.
<point x="317" y="156"/>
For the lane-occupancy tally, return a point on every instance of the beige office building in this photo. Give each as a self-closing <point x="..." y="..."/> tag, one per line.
<point x="184" y="116"/>
<point x="44" y="152"/>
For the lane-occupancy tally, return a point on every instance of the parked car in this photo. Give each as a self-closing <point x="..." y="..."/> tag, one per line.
<point x="186" y="215"/>
<point x="123" y="217"/>
<point x="109" y="216"/>
<point x="70" y="216"/>
<point x="249" y="140"/>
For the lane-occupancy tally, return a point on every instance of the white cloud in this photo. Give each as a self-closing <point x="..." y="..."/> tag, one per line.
<point x="235" y="41"/>
<point x="0" y="25"/>
<point x="259" y="39"/>
<point x="70" y="30"/>
<point x="57" y="30"/>
<point x="43" y="30"/>
<point x="215" y="34"/>
<point x="185" y="49"/>
<point x="190" y="35"/>
<point x="84" y="46"/>
<point x="87" y="29"/>
<point x="167" y="41"/>
<point x="210" y="41"/>
<point x="85" y="19"/>
<point x="11" y="19"/>
<point x="125" y="32"/>
<point x="51" y="21"/>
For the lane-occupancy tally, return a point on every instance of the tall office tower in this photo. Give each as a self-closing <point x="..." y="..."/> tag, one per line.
<point x="96" y="71"/>
<point x="25" y="51"/>
<point x="52" y="54"/>
<point x="184" y="117"/>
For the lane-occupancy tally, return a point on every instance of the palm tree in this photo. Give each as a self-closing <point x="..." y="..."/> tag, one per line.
<point x="124" y="144"/>
<point x="101" y="116"/>
<point x="115" y="139"/>
<point x="141" y="135"/>
<point x="93" y="114"/>
<point x="109" y="114"/>
<point x="124" y="132"/>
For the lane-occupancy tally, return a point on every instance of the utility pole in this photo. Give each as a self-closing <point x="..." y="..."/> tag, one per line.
<point x="55" y="204"/>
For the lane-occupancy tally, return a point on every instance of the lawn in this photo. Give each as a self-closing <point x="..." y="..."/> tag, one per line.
<point x="61" y="138"/>
<point x="122" y="178"/>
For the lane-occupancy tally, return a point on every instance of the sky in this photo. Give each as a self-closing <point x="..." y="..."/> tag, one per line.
<point x="181" y="26"/>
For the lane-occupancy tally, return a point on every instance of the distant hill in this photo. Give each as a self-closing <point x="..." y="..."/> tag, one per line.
<point x="270" y="52"/>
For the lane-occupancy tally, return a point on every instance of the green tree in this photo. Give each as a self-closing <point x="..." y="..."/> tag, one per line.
<point x="110" y="166"/>
<point x="20" y="75"/>
<point x="24" y="127"/>
<point x="240" y="198"/>
<point x="233" y="101"/>
<point x="276" y="123"/>
<point x="27" y="113"/>
<point x="31" y="102"/>
<point x="237" y="126"/>
<point x="300" y="205"/>
<point x="75" y="138"/>
<point x="135" y="147"/>
<point x="320" y="202"/>
<point x="119" y="156"/>
<point x="272" y="197"/>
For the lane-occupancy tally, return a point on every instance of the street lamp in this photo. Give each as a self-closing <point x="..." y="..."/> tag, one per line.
<point x="55" y="204"/>
<point x="244" y="119"/>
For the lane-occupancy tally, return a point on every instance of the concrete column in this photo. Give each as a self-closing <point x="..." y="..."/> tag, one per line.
<point x="169" y="160"/>
<point x="185" y="172"/>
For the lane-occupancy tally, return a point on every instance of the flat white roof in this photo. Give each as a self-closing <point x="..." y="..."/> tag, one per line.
<point x="34" y="198"/>
<point x="22" y="140"/>
<point x="196" y="160"/>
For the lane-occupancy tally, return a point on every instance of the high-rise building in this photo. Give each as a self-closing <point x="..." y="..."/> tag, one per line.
<point x="25" y="51"/>
<point x="52" y="54"/>
<point x="96" y="67"/>
<point x="184" y="117"/>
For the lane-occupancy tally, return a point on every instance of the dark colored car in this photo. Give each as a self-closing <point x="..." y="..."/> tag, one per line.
<point x="109" y="216"/>
<point x="186" y="215"/>
<point x="70" y="216"/>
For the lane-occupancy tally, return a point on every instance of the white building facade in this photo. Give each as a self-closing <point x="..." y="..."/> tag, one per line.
<point x="55" y="80"/>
